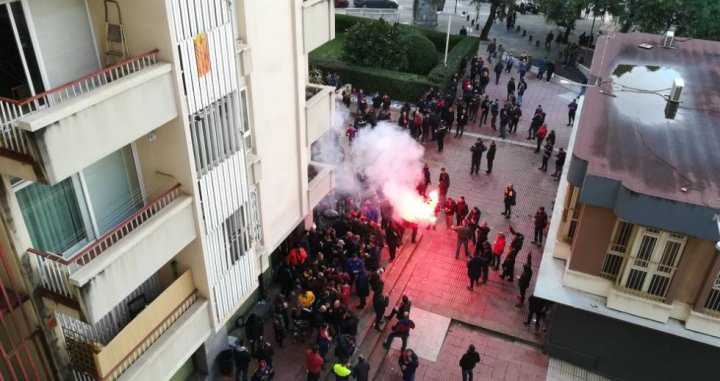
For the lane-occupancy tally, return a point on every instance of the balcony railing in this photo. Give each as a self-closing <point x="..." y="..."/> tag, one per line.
<point x="16" y="140"/>
<point x="92" y="360"/>
<point x="55" y="270"/>
<point x="640" y="277"/>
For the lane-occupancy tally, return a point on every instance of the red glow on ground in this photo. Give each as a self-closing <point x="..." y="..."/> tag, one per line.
<point x="415" y="208"/>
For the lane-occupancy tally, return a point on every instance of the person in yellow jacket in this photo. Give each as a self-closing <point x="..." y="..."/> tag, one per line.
<point x="342" y="371"/>
<point x="306" y="299"/>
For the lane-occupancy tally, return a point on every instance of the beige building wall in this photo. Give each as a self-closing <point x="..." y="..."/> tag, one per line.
<point x="697" y="258"/>
<point x="590" y="244"/>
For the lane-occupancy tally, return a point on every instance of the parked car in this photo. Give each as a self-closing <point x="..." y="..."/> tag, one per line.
<point x="342" y="3"/>
<point x="376" y="3"/>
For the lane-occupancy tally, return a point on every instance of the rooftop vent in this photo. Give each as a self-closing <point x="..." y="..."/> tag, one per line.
<point x="668" y="38"/>
<point x="677" y="87"/>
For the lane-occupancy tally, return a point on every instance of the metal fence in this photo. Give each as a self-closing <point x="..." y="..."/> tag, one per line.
<point x="374" y="13"/>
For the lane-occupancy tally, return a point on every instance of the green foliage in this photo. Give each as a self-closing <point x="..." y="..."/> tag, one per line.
<point x="344" y="22"/>
<point x="402" y="86"/>
<point x="651" y="16"/>
<point x="692" y="18"/>
<point x="331" y="50"/>
<point x="375" y="44"/>
<point x="441" y="74"/>
<point x="420" y="52"/>
<point x="701" y="19"/>
<point x="562" y="12"/>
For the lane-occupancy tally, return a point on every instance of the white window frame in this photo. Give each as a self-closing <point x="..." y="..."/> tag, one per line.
<point x="644" y="266"/>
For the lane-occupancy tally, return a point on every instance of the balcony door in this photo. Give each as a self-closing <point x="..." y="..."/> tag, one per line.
<point x="653" y="260"/>
<point x="67" y="216"/>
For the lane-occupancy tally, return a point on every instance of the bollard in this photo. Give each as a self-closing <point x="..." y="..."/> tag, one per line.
<point x="525" y="33"/>
<point x="518" y="28"/>
<point x="537" y="43"/>
<point x="531" y="38"/>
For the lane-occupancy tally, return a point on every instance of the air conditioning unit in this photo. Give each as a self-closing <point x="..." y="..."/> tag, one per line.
<point x="667" y="40"/>
<point x="676" y="90"/>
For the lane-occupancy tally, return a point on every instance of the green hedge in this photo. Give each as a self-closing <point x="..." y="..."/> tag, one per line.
<point x="441" y="74"/>
<point x="344" y="22"/>
<point x="420" y="53"/>
<point x="399" y="85"/>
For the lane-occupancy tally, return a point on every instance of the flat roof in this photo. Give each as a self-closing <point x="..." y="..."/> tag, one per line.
<point x="624" y="134"/>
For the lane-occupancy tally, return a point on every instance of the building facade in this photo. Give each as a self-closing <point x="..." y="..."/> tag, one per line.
<point x="153" y="155"/>
<point x="631" y="261"/>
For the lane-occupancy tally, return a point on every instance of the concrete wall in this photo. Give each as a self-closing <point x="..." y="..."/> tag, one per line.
<point x="624" y="351"/>
<point x="592" y="236"/>
<point x="696" y="259"/>
<point x="77" y="133"/>
<point x="109" y="278"/>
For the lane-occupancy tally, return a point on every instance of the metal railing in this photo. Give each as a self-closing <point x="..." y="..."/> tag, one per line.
<point x="374" y="13"/>
<point x="712" y="304"/>
<point x="16" y="140"/>
<point x="612" y="265"/>
<point x="641" y="277"/>
<point x="55" y="270"/>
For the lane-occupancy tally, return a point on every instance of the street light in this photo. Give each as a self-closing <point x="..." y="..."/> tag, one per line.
<point x="447" y="38"/>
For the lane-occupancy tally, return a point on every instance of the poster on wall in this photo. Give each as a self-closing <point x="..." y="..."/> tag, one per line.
<point x="202" y="54"/>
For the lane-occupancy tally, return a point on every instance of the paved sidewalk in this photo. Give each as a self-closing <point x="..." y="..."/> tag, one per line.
<point x="500" y="359"/>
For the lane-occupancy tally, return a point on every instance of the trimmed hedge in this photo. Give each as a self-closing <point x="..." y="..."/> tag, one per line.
<point x="344" y="22"/>
<point x="441" y="74"/>
<point x="420" y="53"/>
<point x="399" y="85"/>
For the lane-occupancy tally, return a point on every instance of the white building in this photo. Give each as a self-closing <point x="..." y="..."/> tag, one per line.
<point x="150" y="164"/>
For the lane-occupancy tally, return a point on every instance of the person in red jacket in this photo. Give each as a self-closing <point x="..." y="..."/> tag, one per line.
<point x="314" y="363"/>
<point x="540" y="136"/>
<point x="450" y="208"/>
<point x="401" y="329"/>
<point x="297" y="256"/>
<point x="497" y="249"/>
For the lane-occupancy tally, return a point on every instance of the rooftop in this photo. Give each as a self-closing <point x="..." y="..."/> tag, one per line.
<point x="625" y="134"/>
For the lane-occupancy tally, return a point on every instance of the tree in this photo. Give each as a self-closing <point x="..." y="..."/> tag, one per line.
<point x="563" y="13"/>
<point x="375" y="44"/>
<point x="494" y="4"/>
<point x="691" y="18"/>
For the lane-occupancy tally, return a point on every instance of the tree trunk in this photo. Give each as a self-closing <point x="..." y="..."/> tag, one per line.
<point x="489" y="22"/>
<point x="566" y="35"/>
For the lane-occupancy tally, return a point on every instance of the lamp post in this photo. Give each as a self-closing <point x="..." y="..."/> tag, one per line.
<point x="447" y="37"/>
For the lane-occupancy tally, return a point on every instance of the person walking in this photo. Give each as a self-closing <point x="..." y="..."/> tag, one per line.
<point x="401" y="329"/>
<point x="536" y="308"/>
<point x="508" y="265"/>
<point x="540" y="137"/>
<point x="468" y="362"/>
<point x="509" y="200"/>
<point x="546" y="157"/>
<point x="449" y="209"/>
<point x="498" y="71"/>
<point x="491" y="49"/>
<point x="497" y="250"/>
<point x="362" y="287"/>
<point x="559" y="163"/>
<point x="477" y="150"/>
<point x="392" y="239"/>
<point x="314" y="362"/>
<point x="550" y="70"/>
<point x="460" y="123"/>
<point x="521" y="88"/>
<point x="461" y="210"/>
<point x="524" y="280"/>
<point x="510" y="88"/>
<point x="540" y="221"/>
<point x="486" y="258"/>
<point x="494" y="111"/>
<point x="572" y="108"/>
<point x="490" y="156"/>
<point x="443" y="186"/>
<point x="474" y="270"/>
<point x="399" y="310"/>
<point x="485" y="110"/>
<point x="380" y="303"/>
<point x="408" y="362"/>
<point x="504" y="120"/>
<point x="515" y="114"/>
<point x="463" y="236"/>
<point x="548" y="40"/>
<point x="361" y="369"/>
<point x="542" y="67"/>
<point x="440" y="136"/>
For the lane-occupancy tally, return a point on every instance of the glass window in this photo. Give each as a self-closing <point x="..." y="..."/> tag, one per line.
<point x="52" y="215"/>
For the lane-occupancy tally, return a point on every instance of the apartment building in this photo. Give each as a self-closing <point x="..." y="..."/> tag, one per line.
<point x="631" y="261"/>
<point x="153" y="154"/>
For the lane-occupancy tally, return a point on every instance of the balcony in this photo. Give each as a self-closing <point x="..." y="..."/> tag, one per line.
<point x="87" y="285"/>
<point x="52" y="135"/>
<point x="319" y="111"/>
<point x="153" y="344"/>
<point x="321" y="180"/>
<point x="318" y="20"/>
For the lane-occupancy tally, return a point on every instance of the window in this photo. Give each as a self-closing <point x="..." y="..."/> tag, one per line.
<point x="617" y="250"/>
<point x="571" y="213"/>
<point x="215" y="133"/>
<point x="712" y="304"/>
<point x="652" y="262"/>
<point x="236" y="236"/>
<point x="65" y="217"/>
<point x="245" y="121"/>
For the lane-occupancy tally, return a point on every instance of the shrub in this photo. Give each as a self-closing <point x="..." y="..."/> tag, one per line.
<point x="441" y="74"/>
<point x="345" y="22"/>
<point x="374" y="44"/>
<point x="399" y="85"/>
<point x="420" y="53"/>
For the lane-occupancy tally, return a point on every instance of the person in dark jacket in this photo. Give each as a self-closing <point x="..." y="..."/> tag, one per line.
<point x="509" y="200"/>
<point x="494" y="112"/>
<point x="559" y="163"/>
<point x="524" y="280"/>
<point x="254" y="332"/>
<point x="536" y="306"/>
<point x="401" y="329"/>
<point x="508" y="265"/>
<point x="461" y="210"/>
<point x="362" y="287"/>
<point x="361" y="369"/>
<point x="498" y="71"/>
<point x="380" y="303"/>
<point x="392" y="239"/>
<point x="490" y="156"/>
<point x="510" y="88"/>
<point x="540" y="221"/>
<point x="345" y="347"/>
<point x="468" y="362"/>
<point x="286" y="278"/>
<point x="350" y="323"/>
<point x="266" y="353"/>
<point x="474" y="268"/>
<point x="550" y="70"/>
<point x="477" y="150"/>
<point x="242" y="360"/>
<point x="408" y="362"/>
<point x="401" y="309"/>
